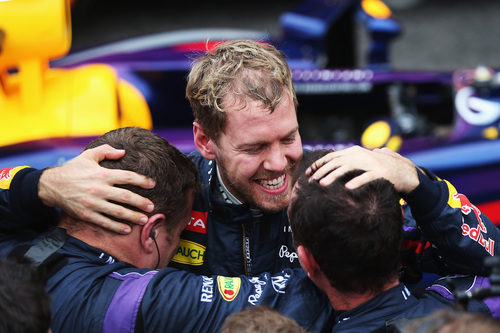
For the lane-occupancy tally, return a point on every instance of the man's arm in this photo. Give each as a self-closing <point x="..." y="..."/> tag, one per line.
<point x="82" y="189"/>
<point x="457" y="233"/>
<point x="20" y="207"/>
<point x="170" y="300"/>
<point x="179" y="301"/>
<point x="460" y="234"/>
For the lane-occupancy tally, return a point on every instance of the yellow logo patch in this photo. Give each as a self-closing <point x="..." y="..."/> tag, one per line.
<point x="189" y="253"/>
<point x="453" y="200"/>
<point x="6" y="176"/>
<point x="229" y="287"/>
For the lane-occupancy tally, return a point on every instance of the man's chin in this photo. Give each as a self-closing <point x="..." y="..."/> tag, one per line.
<point x="273" y="204"/>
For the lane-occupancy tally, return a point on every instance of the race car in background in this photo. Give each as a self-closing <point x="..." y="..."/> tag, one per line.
<point x="339" y="53"/>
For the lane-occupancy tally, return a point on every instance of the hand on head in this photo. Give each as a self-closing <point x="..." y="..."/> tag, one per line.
<point x="86" y="191"/>
<point x="377" y="163"/>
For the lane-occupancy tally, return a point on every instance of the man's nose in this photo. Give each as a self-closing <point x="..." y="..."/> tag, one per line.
<point x="275" y="159"/>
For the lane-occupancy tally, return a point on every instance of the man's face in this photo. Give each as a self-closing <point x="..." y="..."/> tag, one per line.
<point x="168" y="243"/>
<point x="258" y="152"/>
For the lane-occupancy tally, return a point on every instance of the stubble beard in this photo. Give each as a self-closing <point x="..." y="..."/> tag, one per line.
<point x="260" y="200"/>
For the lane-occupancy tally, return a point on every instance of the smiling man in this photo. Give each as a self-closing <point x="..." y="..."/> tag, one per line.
<point x="255" y="157"/>
<point x="247" y="136"/>
<point x="257" y="154"/>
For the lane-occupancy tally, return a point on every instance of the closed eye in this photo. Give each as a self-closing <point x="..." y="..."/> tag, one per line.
<point x="253" y="150"/>
<point x="289" y="139"/>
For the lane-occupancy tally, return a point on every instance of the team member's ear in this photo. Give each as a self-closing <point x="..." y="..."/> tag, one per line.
<point x="203" y="143"/>
<point x="312" y="268"/>
<point x="307" y="261"/>
<point x="151" y="228"/>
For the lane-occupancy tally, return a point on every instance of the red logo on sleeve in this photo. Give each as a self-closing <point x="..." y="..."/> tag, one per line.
<point x="5" y="173"/>
<point x="475" y="234"/>
<point x="198" y="222"/>
<point x="6" y="176"/>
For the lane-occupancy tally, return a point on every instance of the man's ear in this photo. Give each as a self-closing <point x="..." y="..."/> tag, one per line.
<point x="150" y="230"/>
<point x="308" y="262"/>
<point x="203" y="143"/>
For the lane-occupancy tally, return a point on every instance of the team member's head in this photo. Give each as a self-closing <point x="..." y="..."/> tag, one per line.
<point x="348" y="240"/>
<point x="445" y="321"/>
<point x="244" y="107"/>
<point x="262" y="319"/>
<point x="176" y="182"/>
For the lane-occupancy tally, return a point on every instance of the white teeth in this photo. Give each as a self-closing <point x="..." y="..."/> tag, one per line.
<point x="273" y="183"/>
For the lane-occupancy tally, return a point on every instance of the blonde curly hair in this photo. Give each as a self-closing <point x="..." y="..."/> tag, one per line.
<point x="242" y="68"/>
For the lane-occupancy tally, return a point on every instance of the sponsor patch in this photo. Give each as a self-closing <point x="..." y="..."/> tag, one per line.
<point x="6" y="176"/>
<point x="198" y="222"/>
<point x="285" y="253"/>
<point x="259" y="288"/>
<point x="477" y="234"/>
<point x="207" y="289"/>
<point x="189" y="253"/>
<point x="229" y="287"/>
<point x="279" y="282"/>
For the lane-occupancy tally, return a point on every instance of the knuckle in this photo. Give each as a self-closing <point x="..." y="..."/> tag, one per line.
<point x="96" y="190"/>
<point x="85" y="214"/>
<point x="102" y="174"/>
<point x="86" y="202"/>
<point x="127" y="196"/>
<point x="119" y="213"/>
<point x="106" y="224"/>
<point x="129" y="177"/>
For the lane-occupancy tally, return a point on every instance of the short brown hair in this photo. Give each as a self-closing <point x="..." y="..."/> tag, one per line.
<point x="261" y="319"/>
<point x="447" y="321"/>
<point x="355" y="236"/>
<point x="244" y="68"/>
<point x="151" y="155"/>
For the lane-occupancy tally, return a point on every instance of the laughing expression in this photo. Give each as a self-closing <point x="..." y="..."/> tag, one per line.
<point x="258" y="152"/>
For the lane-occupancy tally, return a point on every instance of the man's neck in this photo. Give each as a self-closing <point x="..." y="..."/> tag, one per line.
<point x="347" y="301"/>
<point x="112" y="244"/>
<point x="227" y="196"/>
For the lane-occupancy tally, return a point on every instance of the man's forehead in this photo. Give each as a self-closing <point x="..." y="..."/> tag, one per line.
<point x="237" y="106"/>
<point x="235" y="102"/>
<point x="248" y="121"/>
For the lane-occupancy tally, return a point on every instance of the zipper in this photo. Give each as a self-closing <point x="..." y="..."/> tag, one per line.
<point x="247" y="260"/>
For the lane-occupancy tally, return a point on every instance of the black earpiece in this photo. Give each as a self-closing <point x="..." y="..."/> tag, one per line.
<point x="152" y="236"/>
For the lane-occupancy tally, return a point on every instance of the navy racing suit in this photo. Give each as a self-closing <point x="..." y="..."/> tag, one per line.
<point x="93" y="292"/>
<point x="398" y="303"/>
<point x="231" y="239"/>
